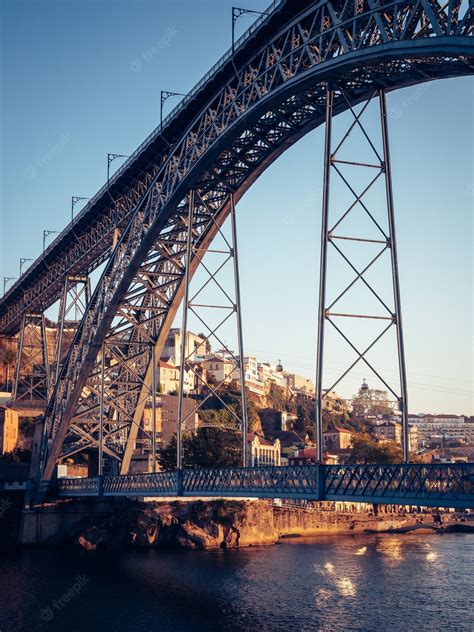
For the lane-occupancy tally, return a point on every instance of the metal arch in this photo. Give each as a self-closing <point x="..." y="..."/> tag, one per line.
<point x="345" y="27"/>
<point x="290" y="70"/>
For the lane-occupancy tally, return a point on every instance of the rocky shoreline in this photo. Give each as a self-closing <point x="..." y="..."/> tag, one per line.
<point x="205" y="524"/>
<point x="228" y="524"/>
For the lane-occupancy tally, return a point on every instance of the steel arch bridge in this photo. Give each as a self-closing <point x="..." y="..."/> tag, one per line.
<point x="170" y="198"/>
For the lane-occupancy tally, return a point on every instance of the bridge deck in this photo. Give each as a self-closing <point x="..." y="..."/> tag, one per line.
<point x="443" y="485"/>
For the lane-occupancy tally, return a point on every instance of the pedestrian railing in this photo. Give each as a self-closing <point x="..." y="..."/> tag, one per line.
<point x="444" y="485"/>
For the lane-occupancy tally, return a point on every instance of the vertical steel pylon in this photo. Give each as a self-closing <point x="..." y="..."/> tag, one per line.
<point x="32" y="378"/>
<point x="228" y="305"/>
<point x="386" y="240"/>
<point x="72" y="305"/>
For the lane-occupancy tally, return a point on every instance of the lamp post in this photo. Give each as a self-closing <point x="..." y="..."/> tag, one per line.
<point x="110" y="159"/>
<point x="22" y="261"/>
<point x="46" y="233"/>
<point x="238" y="12"/>
<point x="74" y="200"/>
<point x="165" y="95"/>
<point x="5" y="281"/>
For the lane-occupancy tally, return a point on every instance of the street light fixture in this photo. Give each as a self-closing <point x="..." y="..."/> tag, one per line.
<point x="74" y="200"/>
<point x="5" y="281"/>
<point x="22" y="261"/>
<point x="46" y="233"/>
<point x="110" y="159"/>
<point x="237" y="12"/>
<point x="165" y="95"/>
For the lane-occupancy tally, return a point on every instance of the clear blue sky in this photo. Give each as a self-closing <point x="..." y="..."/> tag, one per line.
<point x="82" y="78"/>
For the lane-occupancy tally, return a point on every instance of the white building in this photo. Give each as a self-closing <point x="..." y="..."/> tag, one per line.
<point x="218" y="368"/>
<point x="268" y="375"/>
<point x="447" y="426"/>
<point x="299" y="383"/>
<point x="195" y="346"/>
<point x="263" y="452"/>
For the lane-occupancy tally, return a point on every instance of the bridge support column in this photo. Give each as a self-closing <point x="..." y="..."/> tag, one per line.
<point x="403" y="399"/>
<point x="322" y="277"/>
<point x="211" y="314"/>
<point x="73" y="303"/>
<point x="381" y="311"/>
<point x="321" y="481"/>
<point x="32" y="376"/>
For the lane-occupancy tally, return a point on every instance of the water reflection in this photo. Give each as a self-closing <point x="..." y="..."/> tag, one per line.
<point x="391" y="548"/>
<point x="361" y="551"/>
<point x="346" y="587"/>
<point x="369" y="583"/>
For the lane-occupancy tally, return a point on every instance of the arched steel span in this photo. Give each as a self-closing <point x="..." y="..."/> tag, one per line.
<point x="83" y="246"/>
<point x="269" y="103"/>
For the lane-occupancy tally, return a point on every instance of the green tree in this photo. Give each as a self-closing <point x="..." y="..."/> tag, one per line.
<point x="303" y="420"/>
<point x="371" y="401"/>
<point x="276" y="397"/>
<point x="208" y="447"/>
<point x="365" y="450"/>
<point x="215" y="410"/>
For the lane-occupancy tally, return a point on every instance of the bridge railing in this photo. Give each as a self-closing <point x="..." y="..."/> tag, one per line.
<point x="448" y="485"/>
<point x="409" y="483"/>
<point x="263" y="482"/>
<point x="161" y="484"/>
<point x="79" y="486"/>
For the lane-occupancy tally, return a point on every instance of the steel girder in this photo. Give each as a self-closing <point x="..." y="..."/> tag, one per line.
<point x="265" y="106"/>
<point x="322" y="33"/>
<point x="228" y="305"/>
<point x="408" y="484"/>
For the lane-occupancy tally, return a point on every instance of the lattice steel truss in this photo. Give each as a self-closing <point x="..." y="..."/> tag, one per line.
<point x="418" y="35"/>
<point x="228" y="305"/>
<point x="247" y="111"/>
<point x="72" y="306"/>
<point x="332" y="227"/>
<point x="32" y="370"/>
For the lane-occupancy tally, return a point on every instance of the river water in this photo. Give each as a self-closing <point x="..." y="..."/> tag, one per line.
<point x="369" y="583"/>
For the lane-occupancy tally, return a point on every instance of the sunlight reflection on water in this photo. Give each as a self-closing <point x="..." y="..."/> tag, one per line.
<point x="339" y="584"/>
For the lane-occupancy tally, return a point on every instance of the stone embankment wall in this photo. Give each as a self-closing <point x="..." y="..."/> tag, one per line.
<point x="196" y="524"/>
<point x="287" y="522"/>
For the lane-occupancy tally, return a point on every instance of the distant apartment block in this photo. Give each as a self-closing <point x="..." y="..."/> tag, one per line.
<point x="218" y="368"/>
<point x="391" y="430"/>
<point x="299" y="383"/>
<point x="195" y="346"/>
<point x="448" y="426"/>
<point x="337" y="439"/>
